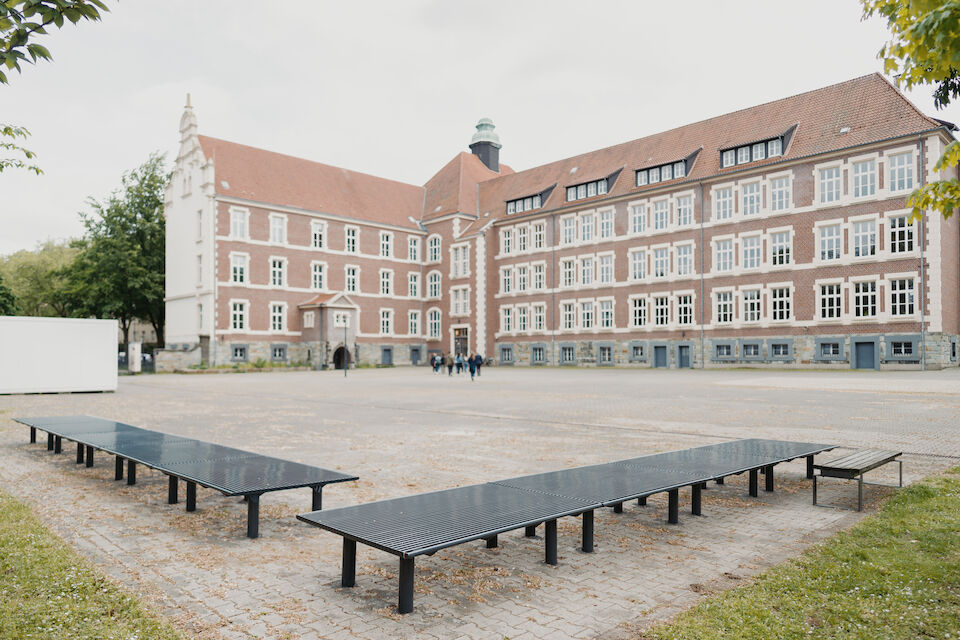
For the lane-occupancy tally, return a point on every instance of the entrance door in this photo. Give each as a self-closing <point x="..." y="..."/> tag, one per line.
<point x="660" y="356"/>
<point x="864" y="352"/>
<point x="461" y="342"/>
<point x="341" y="358"/>
<point x="414" y="356"/>
<point x="684" y="353"/>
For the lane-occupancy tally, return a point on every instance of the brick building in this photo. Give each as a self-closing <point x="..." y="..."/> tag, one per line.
<point x="772" y="236"/>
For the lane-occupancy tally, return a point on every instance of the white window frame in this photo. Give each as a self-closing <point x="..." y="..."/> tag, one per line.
<point x="386" y="244"/>
<point x="239" y="217"/>
<point x="318" y="231"/>
<point x="282" y="219"/>
<point x="275" y="304"/>
<point x="351" y="239"/>
<point x="313" y="275"/>
<point x="244" y="258"/>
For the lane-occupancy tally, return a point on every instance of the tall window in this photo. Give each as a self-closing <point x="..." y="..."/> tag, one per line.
<point x="506" y="280"/>
<point x="606" y="269"/>
<point x="278" y="228"/>
<point x="523" y="235"/>
<point x="539" y="278"/>
<point x="684" y="259"/>
<point x="752" y="252"/>
<point x="433" y="249"/>
<point x="351" y="239"/>
<point x="413" y="249"/>
<point x="901" y="235"/>
<point x="724" y="203"/>
<point x="864" y="238"/>
<point x="864" y="178"/>
<point x="433" y="323"/>
<point x="238" y="268"/>
<point x="413" y="323"/>
<point x="433" y="285"/>
<point x="830" y="242"/>
<point x="386" y="244"/>
<point x="586" y="271"/>
<point x="606" y="314"/>
<point x="317" y="232"/>
<point x="586" y="315"/>
<point x="780" y="194"/>
<point x="538" y="235"/>
<point x="522" y="277"/>
<point x="586" y="227"/>
<point x="350" y="280"/>
<point x="276" y="317"/>
<point x="751" y="198"/>
<point x="901" y="297"/>
<point x="539" y="317"/>
<point x="661" y="214"/>
<point x="569" y="230"/>
<point x="661" y="311"/>
<point x="639" y="312"/>
<point x="606" y="225"/>
<point x="865" y="299"/>
<point x="638" y="218"/>
<point x="238" y="225"/>
<point x="386" y="322"/>
<point x="506" y="241"/>
<point x="522" y="318"/>
<point x="901" y="171"/>
<point x="638" y="265"/>
<point x="568" y="315"/>
<point x="829" y="185"/>
<point x="413" y="284"/>
<point x="684" y="210"/>
<point x="506" y="319"/>
<point x="780" y="303"/>
<point x="830" y="301"/>
<point x="661" y="262"/>
<point x="724" y="255"/>
<point x="386" y="282"/>
<point x="751" y="305"/>
<point x="685" y="309"/>
<point x="724" y="307"/>
<point x="238" y="315"/>
<point x="316" y="276"/>
<point x="568" y="269"/>
<point x="780" y="248"/>
<point x="277" y="274"/>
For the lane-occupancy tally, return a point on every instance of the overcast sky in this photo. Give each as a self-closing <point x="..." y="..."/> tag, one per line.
<point x="395" y="88"/>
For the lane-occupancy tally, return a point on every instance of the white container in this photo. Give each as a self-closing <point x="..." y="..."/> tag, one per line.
<point x="50" y="355"/>
<point x="133" y="357"/>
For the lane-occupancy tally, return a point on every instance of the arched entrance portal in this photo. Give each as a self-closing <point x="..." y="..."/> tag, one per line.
<point x="341" y="358"/>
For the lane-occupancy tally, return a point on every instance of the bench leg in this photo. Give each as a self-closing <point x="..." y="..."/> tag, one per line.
<point x="33" y="435"/>
<point x="131" y="472"/>
<point x="492" y="542"/>
<point x="642" y="502"/>
<point x="317" y="502"/>
<point x="118" y="469"/>
<point x="588" y="531"/>
<point x="172" y="496"/>
<point x="89" y="456"/>
<point x="49" y="442"/>
<point x="860" y="492"/>
<point x="753" y="483"/>
<point x="530" y="531"/>
<point x="673" y="506"/>
<point x="618" y="508"/>
<point x="550" y="535"/>
<point x="57" y="444"/>
<point x="253" y="515"/>
<point x="809" y="467"/>
<point x="814" y="490"/>
<point x="901" y="472"/>
<point x="191" y="496"/>
<point x="719" y="480"/>
<point x="348" y="575"/>
<point x="768" y="479"/>
<point x="80" y="451"/>
<point x="405" y="599"/>
<point x="695" y="499"/>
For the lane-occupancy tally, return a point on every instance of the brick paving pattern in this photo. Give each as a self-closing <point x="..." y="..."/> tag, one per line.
<point x="406" y="431"/>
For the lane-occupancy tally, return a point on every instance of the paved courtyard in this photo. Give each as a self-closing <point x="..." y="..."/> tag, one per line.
<point x="406" y="431"/>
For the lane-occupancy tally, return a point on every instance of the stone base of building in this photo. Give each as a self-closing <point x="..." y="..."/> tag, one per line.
<point x="169" y="360"/>
<point x="877" y="351"/>
<point x="318" y="355"/>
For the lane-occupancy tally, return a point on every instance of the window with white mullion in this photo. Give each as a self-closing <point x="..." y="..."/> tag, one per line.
<point x="780" y="248"/>
<point x="830" y="301"/>
<point x="901" y="234"/>
<point x="864" y="178"/>
<point x="751" y="305"/>
<point x="864" y="238"/>
<point x="901" y="172"/>
<point x="661" y="311"/>
<point x="829" y="185"/>
<point x="724" y="203"/>
<point x="638" y="265"/>
<point x="318" y="232"/>
<point x="830" y="242"/>
<point x="684" y="255"/>
<point x="780" y="302"/>
<point x="638" y="312"/>
<point x="638" y="218"/>
<point x="316" y="276"/>
<point x="751" y="252"/>
<point x="724" y="251"/>
<point x="661" y="215"/>
<point x="780" y="194"/>
<point x="724" y="307"/>
<point x="901" y="297"/>
<point x="238" y="268"/>
<point x="586" y="271"/>
<point x="750" y="198"/>
<point x="661" y="262"/>
<point x="277" y="272"/>
<point x="684" y="211"/>
<point x="865" y="299"/>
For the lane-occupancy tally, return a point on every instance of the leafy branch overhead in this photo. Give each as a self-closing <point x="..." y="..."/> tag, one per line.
<point x="8" y="145"/>
<point x="22" y="20"/>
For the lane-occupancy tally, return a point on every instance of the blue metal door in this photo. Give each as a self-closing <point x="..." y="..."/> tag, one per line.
<point x="864" y="353"/>
<point x="684" y="353"/>
<point x="660" y="356"/>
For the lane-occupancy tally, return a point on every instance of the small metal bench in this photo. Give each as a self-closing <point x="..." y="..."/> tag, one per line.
<point x="853" y="466"/>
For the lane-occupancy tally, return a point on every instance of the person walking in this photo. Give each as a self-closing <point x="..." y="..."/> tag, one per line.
<point x="478" y="359"/>
<point x="435" y="362"/>
<point x="472" y="365"/>
<point x="449" y="362"/>
<point x="459" y="362"/>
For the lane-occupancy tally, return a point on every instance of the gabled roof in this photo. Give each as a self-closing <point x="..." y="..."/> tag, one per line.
<point x="870" y="106"/>
<point x="264" y="176"/>
<point x="454" y="188"/>
<point x="339" y="299"/>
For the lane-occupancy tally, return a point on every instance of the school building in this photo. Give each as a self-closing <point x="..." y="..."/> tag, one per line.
<point x="774" y="236"/>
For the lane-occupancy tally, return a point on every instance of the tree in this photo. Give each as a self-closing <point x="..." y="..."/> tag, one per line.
<point x="38" y="278"/>
<point x="10" y="146"/>
<point x="119" y="272"/>
<point x="924" y="50"/>
<point x="8" y="304"/>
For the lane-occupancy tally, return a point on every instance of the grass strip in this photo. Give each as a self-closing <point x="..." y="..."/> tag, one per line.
<point x="48" y="591"/>
<point x="893" y="576"/>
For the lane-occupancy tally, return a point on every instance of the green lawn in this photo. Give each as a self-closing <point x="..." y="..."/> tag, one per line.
<point x="48" y="591"/>
<point x="894" y="575"/>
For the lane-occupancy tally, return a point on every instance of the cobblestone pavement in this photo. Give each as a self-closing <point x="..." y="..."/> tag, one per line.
<point x="406" y="431"/>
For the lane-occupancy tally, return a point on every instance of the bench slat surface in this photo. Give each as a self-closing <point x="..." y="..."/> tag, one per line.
<point x="859" y="460"/>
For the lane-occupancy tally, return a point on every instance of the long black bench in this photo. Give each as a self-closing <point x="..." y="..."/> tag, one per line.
<point x="232" y="472"/>
<point x="424" y="524"/>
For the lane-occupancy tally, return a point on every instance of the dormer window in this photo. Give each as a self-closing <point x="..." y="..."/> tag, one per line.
<point x="524" y="204"/>
<point x="729" y="158"/>
<point x="743" y="155"/>
<point x="662" y="173"/>
<point x="587" y="190"/>
<point x="654" y="175"/>
<point x="775" y="147"/>
<point x="752" y="152"/>
<point x="759" y="151"/>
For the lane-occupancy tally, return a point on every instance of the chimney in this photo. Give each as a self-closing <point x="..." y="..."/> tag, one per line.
<point x="485" y="144"/>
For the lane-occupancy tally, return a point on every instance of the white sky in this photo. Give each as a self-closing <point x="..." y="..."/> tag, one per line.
<point x="395" y="88"/>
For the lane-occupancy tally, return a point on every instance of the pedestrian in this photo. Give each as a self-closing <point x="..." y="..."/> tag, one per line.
<point x="434" y="363"/>
<point x="459" y="362"/>
<point x="472" y="364"/>
<point x="479" y="360"/>
<point x="449" y="362"/>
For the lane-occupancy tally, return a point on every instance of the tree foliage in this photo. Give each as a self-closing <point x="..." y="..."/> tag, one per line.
<point x="8" y="303"/>
<point x="13" y="155"/>
<point x="119" y="272"/>
<point x="38" y="279"/>
<point x="924" y="49"/>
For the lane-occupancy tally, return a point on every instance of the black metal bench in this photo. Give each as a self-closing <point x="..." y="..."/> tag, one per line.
<point x="232" y="472"/>
<point x="424" y="524"/>
<point x="853" y="466"/>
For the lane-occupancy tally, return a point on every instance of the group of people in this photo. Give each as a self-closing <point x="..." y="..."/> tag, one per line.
<point x="473" y="362"/>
